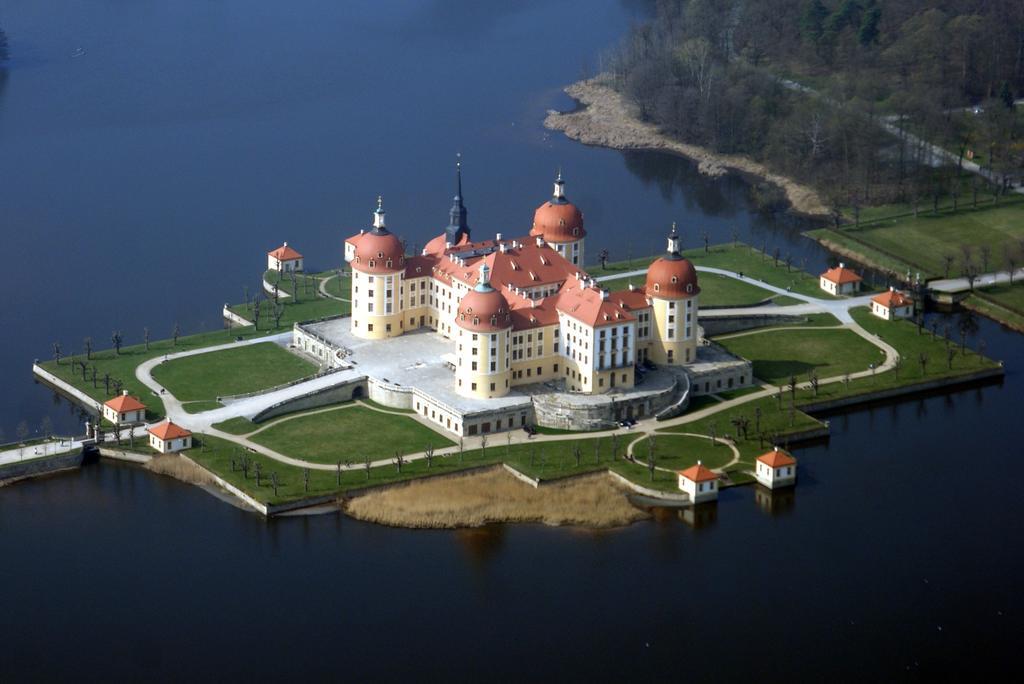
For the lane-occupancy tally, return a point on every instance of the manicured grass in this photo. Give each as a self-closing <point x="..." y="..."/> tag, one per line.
<point x="715" y="290"/>
<point x="200" y="406"/>
<point x="921" y="244"/>
<point x="350" y="433"/>
<point x="1002" y="303"/>
<point x="904" y="337"/>
<point x="701" y="402"/>
<point x="778" y="355"/>
<point x="682" y="451"/>
<point x="293" y="312"/>
<point x="774" y="422"/>
<point x="231" y="371"/>
<point x="740" y="258"/>
<point x="733" y="394"/>
<point x="236" y="426"/>
<point x="546" y="461"/>
<point x="783" y="300"/>
<point x="122" y="366"/>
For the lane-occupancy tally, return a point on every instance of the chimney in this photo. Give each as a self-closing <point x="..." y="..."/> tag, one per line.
<point x="842" y="265"/>
<point x="604" y="295"/>
<point x="540" y="241"/>
<point x="285" y="243"/>
<point x="124" y="393"/>
<point x="632" y="287"/>
<point x="498" y="237"/>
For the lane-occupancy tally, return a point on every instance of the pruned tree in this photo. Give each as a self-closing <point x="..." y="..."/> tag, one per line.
<point x="814" y="381"/>
<point x="273" y="481"/>
<point x="22" y="431"/>
<point x="399" y="461"/>
<point x="305" y="480"/>
<point x="115" y="339"/>
<point x="175" y="334"/>
<point x="367" y="463"/>
<point x="602" y="256"/>
<point x="258" y="470"/>
<point x="576" y="453"/>
<point x="145" y="337"/>
<point x="428" y="455"/>
<point x="950" y="353"/>
<point x="87" y="345"/>
<point x="56" y="352"/>
<point x="923" y="360"/>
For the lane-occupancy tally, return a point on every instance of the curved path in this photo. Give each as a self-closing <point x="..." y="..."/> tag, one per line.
<point x="325" y="293"/>
<point x="203" y="422"/>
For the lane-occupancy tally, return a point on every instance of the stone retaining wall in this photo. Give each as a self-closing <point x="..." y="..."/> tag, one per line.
<point x="730" y="324"/>
<point x="41" y="466"/>
<point x="553" y="411"/>
<point x="67" y="389"/>
<point x="234" y="319"/>
<point x="326" y="396"/>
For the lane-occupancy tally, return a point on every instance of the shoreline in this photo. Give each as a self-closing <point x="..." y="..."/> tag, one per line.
<point x="606" y="119"/>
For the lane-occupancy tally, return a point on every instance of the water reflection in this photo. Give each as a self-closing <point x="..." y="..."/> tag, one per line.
<point x="700" y="517"/>
<point x="480" y="544"/>
<point x="775" y="501"/>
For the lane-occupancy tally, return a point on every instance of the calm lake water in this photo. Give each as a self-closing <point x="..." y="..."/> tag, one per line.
<point x="150" y="154"/>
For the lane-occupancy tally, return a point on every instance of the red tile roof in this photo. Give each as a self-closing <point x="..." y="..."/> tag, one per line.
<point x="892" y="298"/>
<point x="125" y="403"/>
<point x="168" y="430"/>
<point x="630" y="300"/>
<point x="841" y="275"/>
<point x="284" y="253"/>
<point x="589" y="306"/>
<point x="698" y="473"/>
<point x="776" y="458"/>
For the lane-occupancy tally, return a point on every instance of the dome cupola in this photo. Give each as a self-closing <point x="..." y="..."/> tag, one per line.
<point x="379" y="250"/>
<point x="558" y="220"/>
<point x="672" y="275"/>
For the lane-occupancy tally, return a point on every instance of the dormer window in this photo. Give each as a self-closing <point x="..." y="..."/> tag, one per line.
<point x="389" y="263"/>
<point x="657" y="287"/>
<point x="675" y="279"/>
<point x="494" y="321"/>
<point x="575" y="231"/>
<point x="689" y="287"/>
<point x="380" y="255"/>
<point x="371" y="263"/>
<point x="476" y="320"/>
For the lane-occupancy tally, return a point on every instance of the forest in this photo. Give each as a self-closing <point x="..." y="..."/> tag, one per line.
<point x="843" y="94"/>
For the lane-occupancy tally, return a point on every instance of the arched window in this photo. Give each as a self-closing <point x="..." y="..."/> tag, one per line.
<point x="494" y="321"/>
<point x="675" y="279"/>
<point x="389" y="263"/>
<point x="689" y="287"/>
<point x="371" y="263"/>
<point x="657" y="287"/>
<point x="476" y="320"/>
<point x="575" y="231"/>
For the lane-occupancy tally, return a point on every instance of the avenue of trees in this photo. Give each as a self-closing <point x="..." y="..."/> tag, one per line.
<point x="720" y="73"/>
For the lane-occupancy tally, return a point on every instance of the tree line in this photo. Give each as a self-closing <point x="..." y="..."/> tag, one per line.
<point x="803" y="86"/>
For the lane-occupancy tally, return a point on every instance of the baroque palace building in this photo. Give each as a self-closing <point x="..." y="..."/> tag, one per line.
<point x="522" y="310"/>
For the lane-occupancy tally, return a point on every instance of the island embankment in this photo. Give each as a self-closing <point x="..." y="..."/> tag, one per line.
<point x="494" y="496"/>
<point x="608" y="119"/>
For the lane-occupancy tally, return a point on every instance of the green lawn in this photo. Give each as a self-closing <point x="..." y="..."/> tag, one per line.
<point x="682" y="451"/>
<point x="715" y="290"/>
<point x="122" y="366"/>
<point x="350" y="433"/>
<point x="779" y="354"/>
<point x="740" y="258"/>
<point x="200" y="406"/>
<point x="1003" y="303"/>
<point x="236" y="426"/>
<point x="763" y="417"/>
<point x="903" y="335"/>
<point x="546" y="461"/>
<point x="922" y="244"/>
<point x="231" y="371"/>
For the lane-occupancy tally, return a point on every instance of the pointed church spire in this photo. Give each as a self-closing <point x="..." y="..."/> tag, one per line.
<point x="458" y="224"/>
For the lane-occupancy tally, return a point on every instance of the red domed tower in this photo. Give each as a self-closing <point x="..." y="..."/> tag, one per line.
<point x="378" y="272"/>
<point x="485" y="323"/>
<point x="672" y="287"/>
<point x="560" y="223"/>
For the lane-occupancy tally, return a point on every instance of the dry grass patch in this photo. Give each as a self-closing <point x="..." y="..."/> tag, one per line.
<point x="495" y="496"/>
<point x="175" y="466"/>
